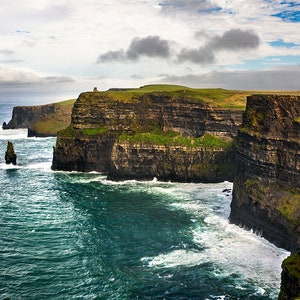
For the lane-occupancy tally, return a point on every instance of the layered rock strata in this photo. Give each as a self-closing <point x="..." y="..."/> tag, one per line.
<point x="266" y="192"/>
<point x="104" y="131"/>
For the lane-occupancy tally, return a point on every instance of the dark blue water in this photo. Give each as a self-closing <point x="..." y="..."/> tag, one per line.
<point x="80" y="236"/>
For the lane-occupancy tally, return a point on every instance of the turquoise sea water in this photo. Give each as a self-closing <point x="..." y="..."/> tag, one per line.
<point x="80" y="236"/>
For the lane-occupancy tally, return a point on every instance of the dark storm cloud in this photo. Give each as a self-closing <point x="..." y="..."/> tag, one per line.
<point x="203" y="56"/>
<point x="150" y="46"/>
<point x="112" y="56"/>
<point x="154" y="46"/>
<point x="231" y="40"/>
<point x="235" y="39"/>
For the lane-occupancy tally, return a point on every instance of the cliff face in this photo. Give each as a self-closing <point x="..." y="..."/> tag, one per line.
<point x="113" y="135"/>
<point x="24" y="116"/>
<point x="290" y="278"/>
<point x="41" y="120"/>
<point x="154" y="110"/>
<point x="176" y="163"/>
<point x="266" y="192"/>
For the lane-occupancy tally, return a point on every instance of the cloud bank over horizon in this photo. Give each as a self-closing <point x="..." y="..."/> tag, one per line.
<point x="58" y="50"/>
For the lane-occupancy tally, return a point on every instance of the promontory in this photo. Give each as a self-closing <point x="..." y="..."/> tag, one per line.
<point x="41" y="120"/>
<point x="167" y="132"/>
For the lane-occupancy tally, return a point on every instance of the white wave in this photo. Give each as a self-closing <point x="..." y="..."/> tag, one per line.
<point x="13" y="134"/>
<point x="45" y="138"/>
<point x="4" y="166"/>
<point x="45" y="166"/>
<point x="176" y="258"/>
<point x="231" y="249"/>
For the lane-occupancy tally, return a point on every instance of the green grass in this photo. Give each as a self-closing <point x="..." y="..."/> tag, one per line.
<point x="94" y="131"/>
<point x="218" y="97"/>
<point x="171" y="138"/>
<point x="68" y="131"/>
<point x="289" y="204"/>
<point x="51" y="123"/>
<point x="229" y="99"/>
<point x="292" y="264"/>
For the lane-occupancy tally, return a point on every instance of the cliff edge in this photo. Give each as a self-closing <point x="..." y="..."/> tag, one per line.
<point x="266" y="190"/>
<point x="41" y="120"/>
<point x="142" y="135"/>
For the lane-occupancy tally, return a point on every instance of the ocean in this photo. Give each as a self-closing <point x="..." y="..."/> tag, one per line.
<point x="70" y="235"/>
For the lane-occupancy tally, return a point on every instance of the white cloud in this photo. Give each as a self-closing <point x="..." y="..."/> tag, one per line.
<point x="66" y="37"/>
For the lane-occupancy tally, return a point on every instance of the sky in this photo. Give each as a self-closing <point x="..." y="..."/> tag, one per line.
<point x="54" y="50"/>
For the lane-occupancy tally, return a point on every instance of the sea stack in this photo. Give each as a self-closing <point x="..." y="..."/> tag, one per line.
<point x="10" y="155"/>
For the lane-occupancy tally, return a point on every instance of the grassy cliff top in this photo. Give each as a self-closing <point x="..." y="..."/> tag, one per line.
<point x="292" y="265"/>
<point x="217" y="97"/>
<point x="50" y="124"/>
<point x="222" y="98"/>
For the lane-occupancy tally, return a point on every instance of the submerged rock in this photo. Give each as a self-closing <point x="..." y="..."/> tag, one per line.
<point x="10" y="155"/>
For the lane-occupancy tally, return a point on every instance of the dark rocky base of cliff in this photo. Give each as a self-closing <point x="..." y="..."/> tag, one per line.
<point x="290" y="278"/>
<point x="37" y="133"/>
<point x="267" y="223"/>
<point x="140" y="161"/>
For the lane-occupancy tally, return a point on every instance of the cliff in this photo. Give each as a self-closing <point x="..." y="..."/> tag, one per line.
<point x="142" y="135"/>
<point x="266" y="191"/>
<point x="290" y="278"/>
<point x="41" y="120"/>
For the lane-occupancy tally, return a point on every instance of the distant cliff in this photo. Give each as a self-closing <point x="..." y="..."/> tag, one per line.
<point x="266" y="192"/>
<point x="171" y="136"/>
<point x="41" y="120"/>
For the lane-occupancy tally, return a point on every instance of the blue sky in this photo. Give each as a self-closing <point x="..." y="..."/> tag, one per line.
<point x="53" y="50"/>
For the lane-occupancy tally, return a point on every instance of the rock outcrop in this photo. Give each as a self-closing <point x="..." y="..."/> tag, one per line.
<point x="148" y="135"/>
<point x="290" y="278"/>
<point x="266" y="191"/>
<point x="10" y="155"/>
<point x="41" y="120"/>
<point x="24" y="116"/>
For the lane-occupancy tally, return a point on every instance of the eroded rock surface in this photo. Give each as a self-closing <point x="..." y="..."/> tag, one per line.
<point x="100" y="138"/>
<point x="10" y="155"/>
<point x="266" y="193"/>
